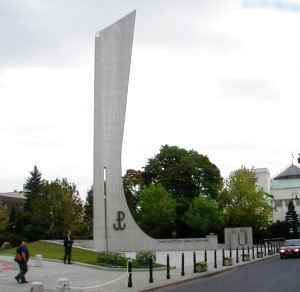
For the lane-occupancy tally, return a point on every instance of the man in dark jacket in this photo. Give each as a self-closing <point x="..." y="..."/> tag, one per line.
<point x="68" y="242"/>
<point x="22" y="257"/>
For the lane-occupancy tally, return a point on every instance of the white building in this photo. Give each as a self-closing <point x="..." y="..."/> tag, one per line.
<point x="12" y="199"/>
<point x="283" y="187"/>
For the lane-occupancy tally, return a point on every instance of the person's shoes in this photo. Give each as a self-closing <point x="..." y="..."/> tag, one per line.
<point x="17" y="279"/>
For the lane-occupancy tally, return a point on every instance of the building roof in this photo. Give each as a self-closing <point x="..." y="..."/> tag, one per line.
<point x="291" y="172"/>
<point x="14" y="195"/>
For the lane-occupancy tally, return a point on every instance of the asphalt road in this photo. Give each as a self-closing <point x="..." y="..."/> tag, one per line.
<point x="272" y="275"/>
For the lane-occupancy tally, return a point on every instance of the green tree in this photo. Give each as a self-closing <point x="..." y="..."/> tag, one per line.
<point x="183" y="173"/>
<point x="244" y="203"/>
<point x="4" y="216"/>
<point x="156" y="211"/>
<point x="204" y="216"/>
<point x="89" y="211"/>
<point x="291" y="218"/>
<point x="186" y="175"/>
<point x="65" y="208"/>
<point x="133" y="182"/>
<point x="32" y="187"/>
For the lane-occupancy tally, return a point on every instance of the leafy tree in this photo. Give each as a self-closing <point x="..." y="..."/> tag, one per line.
<point x="133" y="182"/>
<point x="204" y="216"/>
<point x="279" y="229"/>
<point x="156" y="211"/>
<point x="186" y="175"/>
<point x="88" y="212"/>
<point x="291" y="218"/>
<point x="183" y="173"/>
<point x="32" y="187"/>
<point x="65" y="208"/>
<point x="3" y="219"/>
<point x="244" y="203"/>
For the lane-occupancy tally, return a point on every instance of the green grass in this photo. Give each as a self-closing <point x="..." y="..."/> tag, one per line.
<point x="56" y="252"/>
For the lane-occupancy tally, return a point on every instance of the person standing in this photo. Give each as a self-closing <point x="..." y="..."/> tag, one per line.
<point x="68" y="242"/>
<point x="22" y="258"/>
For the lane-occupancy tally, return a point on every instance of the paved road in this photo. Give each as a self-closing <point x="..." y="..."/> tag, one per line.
<point x="273" y="275"/>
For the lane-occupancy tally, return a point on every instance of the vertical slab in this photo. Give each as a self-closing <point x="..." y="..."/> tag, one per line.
<point x="114" y="227"/>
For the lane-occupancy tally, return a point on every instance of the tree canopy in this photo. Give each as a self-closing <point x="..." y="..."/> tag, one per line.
<point x="156" y="211"/>
<point x="244" y="203"/>
<point x="183" y="173"/>
<point x="204" y="215"/>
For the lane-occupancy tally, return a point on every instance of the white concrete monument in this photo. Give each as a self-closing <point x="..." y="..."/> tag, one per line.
<point x="114" y="227"/>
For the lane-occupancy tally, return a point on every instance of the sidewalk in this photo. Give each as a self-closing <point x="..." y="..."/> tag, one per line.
<point x="95" y="280"/>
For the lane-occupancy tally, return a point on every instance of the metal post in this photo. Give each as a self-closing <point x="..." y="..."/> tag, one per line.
<point x="257" y="251"/>
<point x="194" y="261"/>
<point x="105" y="208"/>
<point x="248" y="249"/>
<point x="237" y="255"/>
<point x="230" y="252"/>
<point x="261" y="250"/>
<point x="151" y="270"/>
<point x="129" y="274"/>
<point x="168" y="266"/>
<point x="243" y="254"/>
<point x="182" y="265"/>
<point x="205" y="255"/>
<point x="215" y="258"/>
<point x="265" y="249"/>
<point x="223" y="257"/>
<point x="253" y="252"/>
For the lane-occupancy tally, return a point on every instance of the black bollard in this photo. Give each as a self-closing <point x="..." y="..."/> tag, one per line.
<point x="215" y="258"/>
<point x="261" y="250"/>
<point x="129" y="274"/>
<point x="205" y="255"/>
<point x="257" y="251"/>
<point x="223" y="257"/>
<point x="248" y="252"/>
<point x="237" y="255"/>
<point x="243" y="254"/>
<point x="265" y="249"/>
<point x="253" y="252"/>
<point x="182" y="265"/>
<point x="150" y="270"/>
<point x="230" y="252"/>
<point x="194" y="261"/>
<point x="168" y="267"/>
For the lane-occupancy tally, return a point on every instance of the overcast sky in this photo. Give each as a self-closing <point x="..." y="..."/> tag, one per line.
<point x="220" y="77"/>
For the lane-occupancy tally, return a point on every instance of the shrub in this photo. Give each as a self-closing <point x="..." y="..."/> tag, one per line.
<point x="111" y="259"/>
<point x="201" y="267"/>
<point x="143" y="257"/>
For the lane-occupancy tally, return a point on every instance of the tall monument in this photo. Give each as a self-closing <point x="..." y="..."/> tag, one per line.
<point x="114" y="227"/>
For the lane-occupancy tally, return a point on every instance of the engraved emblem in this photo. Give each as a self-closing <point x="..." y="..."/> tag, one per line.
<point x="120" y="218"/>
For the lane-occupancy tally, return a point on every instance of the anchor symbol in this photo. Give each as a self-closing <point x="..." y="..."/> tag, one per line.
<point x="120" y="217"/>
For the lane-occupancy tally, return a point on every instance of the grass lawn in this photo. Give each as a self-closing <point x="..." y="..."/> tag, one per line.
<point x="56" y="251"/>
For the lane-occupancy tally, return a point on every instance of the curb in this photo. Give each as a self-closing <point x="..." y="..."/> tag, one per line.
<point x="206" y="275"/>
<point x="110" y="269"/>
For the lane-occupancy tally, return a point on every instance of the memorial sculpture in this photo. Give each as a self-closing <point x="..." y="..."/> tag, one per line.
<point x="114" y="227"/>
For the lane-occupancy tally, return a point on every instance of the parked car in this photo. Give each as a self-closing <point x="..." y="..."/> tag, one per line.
<point x="290" y="248"/>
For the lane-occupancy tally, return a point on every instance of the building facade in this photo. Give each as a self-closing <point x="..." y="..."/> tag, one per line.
<point x="284" y="187"/>
<point x="12" y="199"/>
